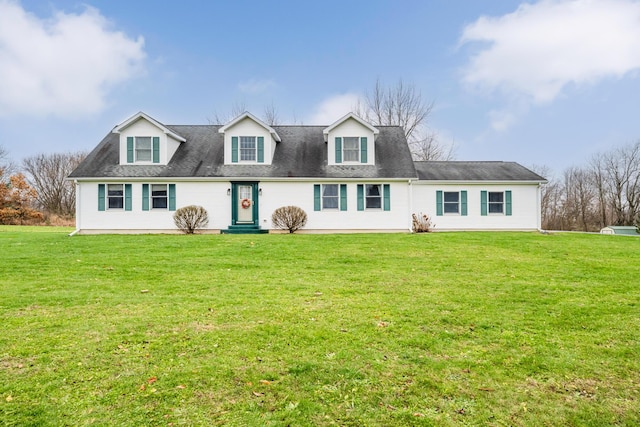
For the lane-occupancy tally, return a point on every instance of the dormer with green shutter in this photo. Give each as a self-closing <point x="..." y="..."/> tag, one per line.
<point x="145" y="141"/>
<point x="351" y="141"/>
<point x="248" y="140"/>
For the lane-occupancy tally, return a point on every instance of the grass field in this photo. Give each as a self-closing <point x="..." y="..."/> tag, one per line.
<point x="435" y="329"/>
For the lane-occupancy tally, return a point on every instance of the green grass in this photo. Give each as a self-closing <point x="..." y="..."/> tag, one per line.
<point x="435" y="329"/>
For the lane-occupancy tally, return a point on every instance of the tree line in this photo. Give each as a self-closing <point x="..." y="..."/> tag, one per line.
<point x="37" y="190"/>
<point x="605" y="191"/>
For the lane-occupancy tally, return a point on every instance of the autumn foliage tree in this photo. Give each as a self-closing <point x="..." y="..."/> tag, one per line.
<point x="16" y="201"/>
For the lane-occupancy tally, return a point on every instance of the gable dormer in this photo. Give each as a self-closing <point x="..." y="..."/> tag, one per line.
<point x="351" y="141"/>
<point x="145" y="141"/>
<point x="248" y="140"/>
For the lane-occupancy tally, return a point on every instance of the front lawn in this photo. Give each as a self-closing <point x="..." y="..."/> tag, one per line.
<point x="389" y="329"/>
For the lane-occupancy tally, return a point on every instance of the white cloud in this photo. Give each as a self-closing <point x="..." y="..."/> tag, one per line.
<point x="254" y="86"/>
<point x="63" y="66"/>
<point x="334" y="107"/>
<point x="541" y="48"/>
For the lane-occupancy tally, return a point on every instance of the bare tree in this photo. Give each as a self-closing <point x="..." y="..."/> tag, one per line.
<point x="236" y="109"/>
<point x="270" y="115"/>
<point x="46" y="174"/>
<point x="402" y="105"/>
<point x="580" y="195"/>
<point x="7" y="167"/>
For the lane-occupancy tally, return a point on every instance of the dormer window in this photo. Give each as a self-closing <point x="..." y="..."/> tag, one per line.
<point x="143" y="148"/>
<point x="351" y="149"/>
<point x="247" y="148"/>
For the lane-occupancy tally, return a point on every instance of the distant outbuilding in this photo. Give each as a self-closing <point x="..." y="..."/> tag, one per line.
<point x="626" y="230"/>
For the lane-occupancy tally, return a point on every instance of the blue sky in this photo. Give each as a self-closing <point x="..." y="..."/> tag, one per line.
<point x="546" y="83"/>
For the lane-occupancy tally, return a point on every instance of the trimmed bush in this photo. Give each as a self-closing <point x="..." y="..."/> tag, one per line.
<point x="190" y="218"/>
<point x="290" y="218"/>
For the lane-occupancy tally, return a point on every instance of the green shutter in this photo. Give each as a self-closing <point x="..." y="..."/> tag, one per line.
<point x="343" y="197"/>
<point x="234" y="149"/>
<point x="439" y="209"/>
<point x="261" y="149"/>
<point x="360" y="197"/>
<point x="172" y="197"/>
<point x="156" y="149"/>
<point x="483" y="203"/>
<point x="101" y="200"/>
<point x="507" y="196"/>
<point x="338" y="150"/>
<point x="316" y="197"/>
<point x="127" y="197"/>
<point x="463" y="202"/>
<point x="386" y="197"/>
<point x="129" y="149"/>
<point x="145" y="197"/>
<point x="363" y="149"/>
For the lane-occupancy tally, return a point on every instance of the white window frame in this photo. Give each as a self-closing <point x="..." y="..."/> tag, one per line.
<point x="242" y="151"/>
<point x="154" y="198"/>
<point x="331" y="197"/>
<point x="490" y="203"/>
<point x="137" y="150"/>
<point x="379" y="197"/>
<point x="445" y="203"/>
<point x="356" y="150"/>
<point x="114" y="197"/>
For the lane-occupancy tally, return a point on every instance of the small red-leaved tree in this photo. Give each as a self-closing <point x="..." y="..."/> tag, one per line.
<point x="190" y="218"/>
<point x="290" y="218"/>
<point x="16" y="199"/>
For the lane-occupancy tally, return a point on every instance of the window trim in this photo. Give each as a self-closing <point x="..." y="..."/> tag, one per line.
<point x="253" y="150"/>
<point x="356" y="150"/>
<point x="324" y="197"/>
<point x="147" y="197"/>
<point x="457" y="203"/>
<point x="385" y="197"/>
<point x="501" y="203"/>
<point x="109" y="197"/>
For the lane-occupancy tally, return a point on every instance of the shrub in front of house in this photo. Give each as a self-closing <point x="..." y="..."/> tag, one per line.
<point x="290" y="218"/>
<point x="191" y="218"/>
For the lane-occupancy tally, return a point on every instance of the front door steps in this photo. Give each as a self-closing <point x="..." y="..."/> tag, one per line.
<point x="244" y="229"/>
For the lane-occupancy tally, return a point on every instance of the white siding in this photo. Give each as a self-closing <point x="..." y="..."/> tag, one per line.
<point x="525" y="207"/>
<point x="213" y="197"/>
<point x="351" y="127"/>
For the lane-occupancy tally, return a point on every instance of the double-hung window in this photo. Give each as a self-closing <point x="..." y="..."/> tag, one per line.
<point x="115" y="196"/>
<point x="451" y="202"/>
<point x="330" y="197"/>
<point x="143" y="148"/>
<point x="496" y="202"/>
<point x="373" y="199"/>
<point x="247" y="148"/>
<point x="351" y="149"/>
<point x="158" y="196"/>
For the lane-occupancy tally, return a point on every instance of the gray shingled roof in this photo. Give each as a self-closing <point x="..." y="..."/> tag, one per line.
<point x="301" y="153"/>
<point x="475" y="171"/>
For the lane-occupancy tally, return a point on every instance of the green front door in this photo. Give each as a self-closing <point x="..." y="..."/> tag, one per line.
<point x="244" y="203"/>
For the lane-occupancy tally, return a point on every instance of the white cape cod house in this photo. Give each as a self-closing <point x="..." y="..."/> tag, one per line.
<point x="349" y="177"/>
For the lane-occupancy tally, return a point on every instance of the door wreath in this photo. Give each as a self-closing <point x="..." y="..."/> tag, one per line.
<point x="246" y="203"/>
